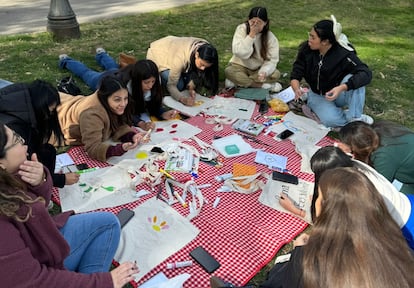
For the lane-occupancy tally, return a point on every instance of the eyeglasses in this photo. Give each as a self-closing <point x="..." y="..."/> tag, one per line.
<point x="17" y="139"/>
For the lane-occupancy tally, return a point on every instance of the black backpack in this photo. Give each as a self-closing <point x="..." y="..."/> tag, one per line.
<point x="67" y="85"/>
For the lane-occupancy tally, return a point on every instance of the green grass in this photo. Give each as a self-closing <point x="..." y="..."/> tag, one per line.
<point x="381" y="31"/>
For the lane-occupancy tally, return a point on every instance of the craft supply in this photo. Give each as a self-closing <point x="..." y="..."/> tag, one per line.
<point x="216" y="202"/>
<point x="87" y="170"/>
<point x="204" y="186"/>
<point x="183" y="203"/>
<point x="147" y="134"/>
<point x="179" y="264"/>
<point x="223" y="177"/>
<point x="167" y="174"/>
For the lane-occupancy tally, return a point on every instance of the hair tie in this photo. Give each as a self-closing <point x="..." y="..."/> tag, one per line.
<point x="339" y="36"/>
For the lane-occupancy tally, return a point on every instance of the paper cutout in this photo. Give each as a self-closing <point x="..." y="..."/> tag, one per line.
<point x="152" y="243"/>
<point x="222" y="143"/>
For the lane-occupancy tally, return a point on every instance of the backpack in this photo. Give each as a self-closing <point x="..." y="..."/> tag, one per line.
<point x="67" y="85"/>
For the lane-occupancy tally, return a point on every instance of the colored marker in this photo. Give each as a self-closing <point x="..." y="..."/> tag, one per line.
<point x="86" y="170"/>
<point x="167" y="174"/>
<point x="147" y="134"/>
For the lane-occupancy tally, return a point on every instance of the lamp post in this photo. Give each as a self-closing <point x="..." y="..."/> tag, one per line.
<point x="62" y="20"/>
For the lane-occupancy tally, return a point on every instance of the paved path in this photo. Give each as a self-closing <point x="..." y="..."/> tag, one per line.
<point x="27" y="16"/>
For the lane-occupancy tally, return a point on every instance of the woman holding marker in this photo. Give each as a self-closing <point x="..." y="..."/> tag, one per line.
<point x="102" y="116"/>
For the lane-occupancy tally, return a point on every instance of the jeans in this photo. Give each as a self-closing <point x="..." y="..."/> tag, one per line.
<point x="90" y="77"/>
<point x="331" y="113"/>
<point x="93" y="239"/>
<point x="182" y="82"/>
<point x="4" y="83"/>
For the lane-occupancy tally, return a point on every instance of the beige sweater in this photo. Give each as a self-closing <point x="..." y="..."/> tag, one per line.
<point x="173" y="53"/>
<point x="84" y="121"/>
<point x="246" y="51"/>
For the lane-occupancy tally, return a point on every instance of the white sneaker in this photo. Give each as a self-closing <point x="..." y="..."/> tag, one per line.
<point x="364" y="118"/>
<point x="228" y="84"/>
<point x="100" y="50"/>
<point x="272" y="87"/>
<point x="63" y="57"/>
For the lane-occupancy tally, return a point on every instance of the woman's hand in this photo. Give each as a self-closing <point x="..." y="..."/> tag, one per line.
<point x="256" y="26"/>
<point x="123" y="274"/>
<point x="332" y="94"/>
<point x="71" y="178"/>
<point x="32" y="171"/>
<point x="170" y="114"/>
<point x="146" y="125"/>
<point x="188" y="101"/>
<point x="301" y="240"/>
<point x="287" y="204"/>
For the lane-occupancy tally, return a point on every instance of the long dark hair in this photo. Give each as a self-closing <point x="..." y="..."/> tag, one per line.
<point x="209" y="77"/>
<point x="12" y="191"/>
<point x="325" y="158"/>
<point x="261" y="13"/>
<point x="44" y="94"/>
<point x="108" y="86"/>
<point x="354" y="238"/>
<point x="143" y="70"/>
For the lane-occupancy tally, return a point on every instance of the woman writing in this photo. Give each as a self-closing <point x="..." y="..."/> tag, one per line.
<point x="255" y="54"/>
<point x="30" y="110"/>
<point x="336" y="76"/>
<point x="142" y="80"/>
<point x="95" y="119"/>
<point x="65" y="250"/>
<point x="386" y="146"/>
<point x="185" y="63"/>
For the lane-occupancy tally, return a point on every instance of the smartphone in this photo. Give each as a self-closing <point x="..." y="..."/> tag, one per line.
<point x="285" y="177"/>
<point x="205" y="259"/>
<point x="284" y="134"/>
<point x="263" y="107"/>
<point x="124" y="216"/>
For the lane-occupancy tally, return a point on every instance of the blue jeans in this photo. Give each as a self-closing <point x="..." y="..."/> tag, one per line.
<point x="331" y="113"/>
<point x="89" y="76"/>
<point x="182" y="82"/>
<point x="93" y="239"/>
<point x="4" y="83"/>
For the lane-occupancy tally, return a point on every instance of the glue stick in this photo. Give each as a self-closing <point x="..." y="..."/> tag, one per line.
<point x="179" y="264"/>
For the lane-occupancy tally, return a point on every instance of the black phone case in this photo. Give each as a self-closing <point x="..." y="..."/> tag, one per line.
<point x="285" y="134"/>
<point x="288" y="178"/>
<point x="202" y="257"/>
<point x="124" y="216"/>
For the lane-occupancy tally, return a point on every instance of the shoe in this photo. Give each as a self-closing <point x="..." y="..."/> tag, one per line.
<point x="63" y="57"/>
<point x="62" y="62"/>
<point x="364" y="118"/>
<point x="272" y="87"/>
<point x="100" y="50"/>
<point x="228" y="84"/>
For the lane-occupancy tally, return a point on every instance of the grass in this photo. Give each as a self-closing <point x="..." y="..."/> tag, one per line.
<point x="381" y="31"/>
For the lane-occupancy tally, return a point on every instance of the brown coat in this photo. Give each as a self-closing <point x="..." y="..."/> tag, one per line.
<point x="84" y="121"/>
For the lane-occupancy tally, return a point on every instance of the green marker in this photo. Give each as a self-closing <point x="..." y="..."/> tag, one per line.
<point x="87" y="170"/>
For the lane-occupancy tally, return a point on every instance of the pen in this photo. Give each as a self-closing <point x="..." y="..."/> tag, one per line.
<point x="180" y="199"/>
<point x="167" y="174"/>
<point x="86" y="170"/>
<point x="147" y="134"/>
<point x="242" y="109"/>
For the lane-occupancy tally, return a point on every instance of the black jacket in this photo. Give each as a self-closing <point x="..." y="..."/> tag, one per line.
<point x="323" y="73"/>
<point x="16" y="111"/>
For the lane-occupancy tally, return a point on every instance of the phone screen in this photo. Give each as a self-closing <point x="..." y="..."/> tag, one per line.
<point x="285" y="134"/>
<point x="205" y="259"/>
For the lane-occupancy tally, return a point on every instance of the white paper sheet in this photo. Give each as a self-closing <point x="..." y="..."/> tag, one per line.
<point x="231" y="108"/>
